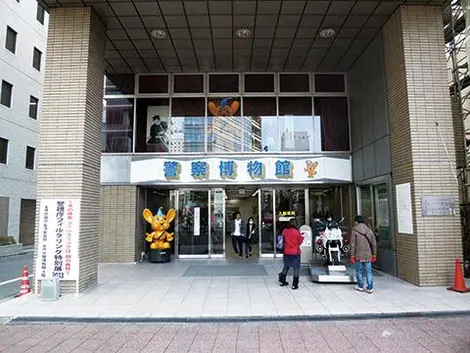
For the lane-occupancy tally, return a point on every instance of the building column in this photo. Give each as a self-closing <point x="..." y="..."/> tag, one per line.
<point x="70" y="131"/>
<point x="417" y="98"/>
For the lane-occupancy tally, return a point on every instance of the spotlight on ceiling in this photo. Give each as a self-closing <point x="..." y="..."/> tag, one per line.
<point x="158" y="33"/>
<point x="327" y="33"/>
<point x="243" y="33"/>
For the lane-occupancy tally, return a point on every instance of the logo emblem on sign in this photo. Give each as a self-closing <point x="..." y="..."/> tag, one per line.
<point x="311" y="168"/>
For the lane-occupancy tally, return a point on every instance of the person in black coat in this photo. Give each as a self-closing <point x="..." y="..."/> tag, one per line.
<point x="250" y="233"/>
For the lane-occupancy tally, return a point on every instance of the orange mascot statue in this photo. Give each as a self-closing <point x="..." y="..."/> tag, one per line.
<point x="159" y="239"/>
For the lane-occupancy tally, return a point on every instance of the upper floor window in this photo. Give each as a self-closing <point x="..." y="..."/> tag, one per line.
<point x="37" y="54"/>
<point x="6" y="94"/>
<point x="33" y="107"/>
<point x="10" y="41"/>
<point x="3" y="150"/>
<point x="30" y="152"/>
<point x="40" y="14"/>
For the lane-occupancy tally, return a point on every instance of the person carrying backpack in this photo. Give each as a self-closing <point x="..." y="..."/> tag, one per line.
<point x="363" y="253"/>
<point x="292" y="239"/>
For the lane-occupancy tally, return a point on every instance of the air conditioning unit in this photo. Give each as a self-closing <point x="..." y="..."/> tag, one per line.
<point x="50" y="288"/>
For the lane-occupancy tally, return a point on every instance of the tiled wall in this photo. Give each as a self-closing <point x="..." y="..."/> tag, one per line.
<point x="119" y="224"/>
<point x="417" y="97"/>
<point x="70" y="140"/>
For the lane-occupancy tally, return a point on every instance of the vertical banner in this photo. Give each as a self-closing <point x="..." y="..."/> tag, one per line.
<point x="197" y="223"/>
<point x="58" y="239"/>
<point x="404" y="208"/>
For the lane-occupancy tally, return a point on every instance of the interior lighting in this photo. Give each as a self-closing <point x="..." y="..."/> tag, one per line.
<point x="243" y="33"/>
<point x="327" y="33"/>
<point x="158" y="33"/>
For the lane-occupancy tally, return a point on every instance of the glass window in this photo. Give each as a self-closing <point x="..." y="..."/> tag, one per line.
<point x="40" y="14"/>
<point x="10" y="42"/>
<point x="382" y="213"/>
<point x="3" y="150"/>
<point x="187" y="125"/>
<point x="290" y="202"/>
<point x="295" y="106"/>
<point x="225" y="127"/>
<point x="223" y="83"/>
<point x="300" y="133"/>
<point x="188" y="83"/>
<point x="261" y="124"/>
<point x="30" y="152"/>
<point x="6" y="94"/>
<point x="259" y="83"/>
<point x="153" y="84"/>
<point x="153" y="125"/>
<point x="117" y="125"/>
<point x="37" y="55"/>
<point x="329" y="83"/>
<point x="294" y="83"/>
<point x="33" y="107"/>
<point x="119" y="84"/>
<point x="366" y="205"/>
<point x="333" y="114"/>
<point x="267" y="222"/>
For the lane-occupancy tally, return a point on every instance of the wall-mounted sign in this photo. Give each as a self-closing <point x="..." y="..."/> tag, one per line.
<point x="437" y="206"/>
<point x="404" y="210"/>
<point x="259" y="170"/>
<point x="197" y="221"/>
<point x="58" y="239"/>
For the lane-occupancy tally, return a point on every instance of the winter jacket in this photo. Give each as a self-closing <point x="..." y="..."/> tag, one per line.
<point x="253" y="230"/>
<point x="360" y="247"/>
<point x="292" y="241"/>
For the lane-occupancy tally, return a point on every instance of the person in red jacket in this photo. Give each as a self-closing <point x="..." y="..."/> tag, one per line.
<point x="292" y="241"/>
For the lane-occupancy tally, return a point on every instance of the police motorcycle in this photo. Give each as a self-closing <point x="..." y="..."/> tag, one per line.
<point x="329" y="241"/>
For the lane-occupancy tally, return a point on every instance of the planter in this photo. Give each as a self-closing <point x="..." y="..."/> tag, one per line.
<point x="7" y="250"/>
<point x="159" y="255"/>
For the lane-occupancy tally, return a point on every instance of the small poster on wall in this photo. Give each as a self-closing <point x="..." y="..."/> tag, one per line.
<point x="158" y="123"/>
<point x="197" y="224"/>
<point x="58" y="239"/>
<point x="404" y="210"/>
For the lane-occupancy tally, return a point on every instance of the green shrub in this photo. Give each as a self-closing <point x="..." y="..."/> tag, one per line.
<point x="7" y="241"/>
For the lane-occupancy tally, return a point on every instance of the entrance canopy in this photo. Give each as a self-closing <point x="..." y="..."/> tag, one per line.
<point x="213" y="35"/>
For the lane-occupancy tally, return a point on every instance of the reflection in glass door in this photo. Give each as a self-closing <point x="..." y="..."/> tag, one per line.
<point x="217" y="219"/>
<point x="266" y="221"/>
<point x="193" y="221"/>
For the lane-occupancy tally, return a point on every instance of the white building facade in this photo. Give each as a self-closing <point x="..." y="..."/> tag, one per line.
<point x="23" y="38"/>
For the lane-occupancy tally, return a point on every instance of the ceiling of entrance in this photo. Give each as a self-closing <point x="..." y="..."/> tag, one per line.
<point x="201" y="35"/>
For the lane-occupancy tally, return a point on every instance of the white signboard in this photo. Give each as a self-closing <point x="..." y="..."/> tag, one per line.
<point x="258" y="169"/>
<point x="306" y="232"/>
<point x="58" y="239"/>
<point x="197" y="222"/>
<point x="404" y="210"/>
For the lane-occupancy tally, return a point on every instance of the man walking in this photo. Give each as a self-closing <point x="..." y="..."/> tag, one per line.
<point x="363" y="253"/>
<point x="238" y="230"/>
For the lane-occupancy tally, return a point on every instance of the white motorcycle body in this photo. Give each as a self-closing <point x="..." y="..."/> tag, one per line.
<point x="330" y="243"/>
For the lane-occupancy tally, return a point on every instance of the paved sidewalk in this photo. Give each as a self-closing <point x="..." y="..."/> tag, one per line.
<point x="153" y="291"/>
<point x="442" y="335"/>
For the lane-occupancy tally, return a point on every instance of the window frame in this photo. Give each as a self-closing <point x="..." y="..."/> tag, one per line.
<point x="10" y="30"/>
<point x="7" y="142"/>
<point x="10" y="98"/>
<point x="27" y="166"/>
<point x="40" y="14"/>
<point x="36" y="103"/>
<point x="39" y="53"/>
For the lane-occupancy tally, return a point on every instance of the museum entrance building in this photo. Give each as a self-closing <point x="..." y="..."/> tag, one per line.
<point x="270" y="109"/>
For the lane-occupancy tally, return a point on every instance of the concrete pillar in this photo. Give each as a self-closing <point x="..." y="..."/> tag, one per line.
<point x="417" y="97"/>
<point x="70" y="132"/>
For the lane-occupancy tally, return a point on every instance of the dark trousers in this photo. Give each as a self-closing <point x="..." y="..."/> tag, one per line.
<point x="237" y="244"/>
<point x="248" y="247"/>
<point x="291" y="261"/>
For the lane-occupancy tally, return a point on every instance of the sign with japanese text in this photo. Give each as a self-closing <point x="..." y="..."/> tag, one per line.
<point x="58" y="239"/>
<point x="236" y="169"/>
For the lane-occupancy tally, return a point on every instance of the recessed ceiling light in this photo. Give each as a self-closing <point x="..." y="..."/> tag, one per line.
<point x="327" y="33"/>
<point x="158" y="33"/>
<point x="243" y="33"/>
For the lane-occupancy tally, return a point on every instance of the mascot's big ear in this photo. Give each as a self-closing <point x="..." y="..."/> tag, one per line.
<point x="148" y="216"/>
<point x="170" y="216"/>
<point x="234" y="106"/>
<point x="212" y="108"/>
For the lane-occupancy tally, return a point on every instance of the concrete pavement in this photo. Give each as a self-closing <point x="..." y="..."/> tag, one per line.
<point x="12" y="267"/>
<point x="443" y="335"/>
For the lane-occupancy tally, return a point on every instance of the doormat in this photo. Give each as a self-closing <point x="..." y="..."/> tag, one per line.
<point x="226" y="271"/>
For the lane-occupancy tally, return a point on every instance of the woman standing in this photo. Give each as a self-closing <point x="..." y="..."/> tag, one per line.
<point x="250" y="233"/>
<point x="292" y="241"/>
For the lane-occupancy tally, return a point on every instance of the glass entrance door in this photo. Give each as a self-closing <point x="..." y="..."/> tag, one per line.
<point x="193" y="223"/>
<point x="267" y="225"/>
<point x="217" y="221"/>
